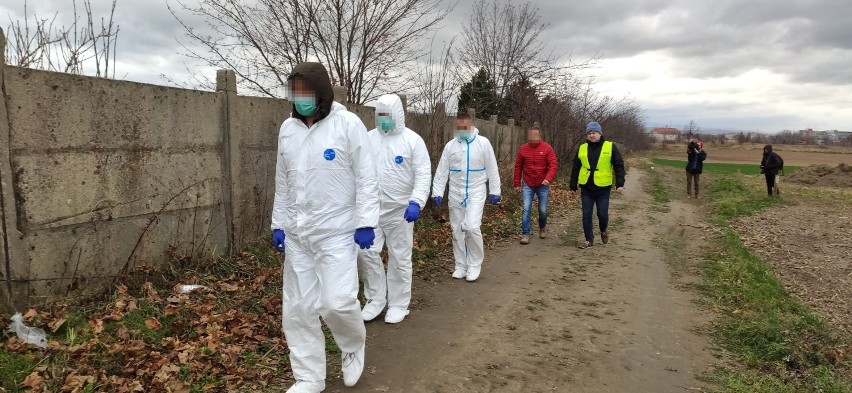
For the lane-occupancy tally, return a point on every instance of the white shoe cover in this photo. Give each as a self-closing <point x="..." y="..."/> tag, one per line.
<point x="353" y="366"/>
<point x="459" y="273"/>
<point x="395" y="315"/>
<point x="473" y="273"/>
<point x="372" y="309"/>
<point x="307" y="387"/>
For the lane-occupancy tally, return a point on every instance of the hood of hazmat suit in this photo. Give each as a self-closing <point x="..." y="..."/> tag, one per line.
<point x="317" y="77"/>
<point x="468" y="165"/>
<point x="402" y="163"/>
<point x="325" y="178"/>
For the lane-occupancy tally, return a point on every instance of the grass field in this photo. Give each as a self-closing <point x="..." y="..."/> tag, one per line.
<point x="751" y="155"/>
<point x="719" y="168"/>
<point x="780" y="344"/>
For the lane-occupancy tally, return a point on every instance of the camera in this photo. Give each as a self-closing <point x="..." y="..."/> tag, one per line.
<point x="693" y="146"/>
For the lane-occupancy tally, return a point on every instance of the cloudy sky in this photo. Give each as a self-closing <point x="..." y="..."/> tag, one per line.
<point x="737" y="64"/>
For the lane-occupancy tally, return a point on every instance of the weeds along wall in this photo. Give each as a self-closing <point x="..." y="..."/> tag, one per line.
<point x="99" y="177"/>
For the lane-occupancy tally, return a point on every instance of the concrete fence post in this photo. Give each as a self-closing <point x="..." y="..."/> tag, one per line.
<point x="513" y="134"/>
<point x="404" y="99"/>
<point x="226" y="87"/>
<point x="14" y="262"/>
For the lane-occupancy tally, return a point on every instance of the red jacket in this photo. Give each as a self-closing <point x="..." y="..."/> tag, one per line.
<point x="535" y="164"/>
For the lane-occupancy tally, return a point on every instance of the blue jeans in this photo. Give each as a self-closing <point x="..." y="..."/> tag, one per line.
<point x="590" y="199"/>
<point x="527" y="193"/>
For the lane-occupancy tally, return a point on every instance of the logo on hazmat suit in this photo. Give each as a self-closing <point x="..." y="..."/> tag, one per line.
<point x="329" y="154"/>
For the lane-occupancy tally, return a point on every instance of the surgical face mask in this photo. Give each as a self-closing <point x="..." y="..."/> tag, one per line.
<point x="386" y="124"/>
<point x="463" y="135"/>
<point x="305" y="105"/>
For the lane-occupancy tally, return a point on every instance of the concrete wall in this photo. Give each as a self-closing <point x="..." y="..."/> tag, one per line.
<point x="107" y="175"/>
<point x="98" y="176"/>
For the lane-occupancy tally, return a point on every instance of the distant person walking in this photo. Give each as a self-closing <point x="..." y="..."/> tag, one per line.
<point x="695" y="156"/>
<point x="770" y="165"/>
<point x="597" y="165"/>
<point x="535" y="170"/>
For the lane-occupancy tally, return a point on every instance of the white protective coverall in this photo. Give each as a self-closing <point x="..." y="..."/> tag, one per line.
<point x="325" y="189"/>
<point x="468" y="165"/>
<point x="403" y="166"/>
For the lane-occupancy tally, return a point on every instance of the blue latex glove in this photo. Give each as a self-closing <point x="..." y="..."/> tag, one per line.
<point x="364" y="237"/>
<point x="494" y="199"/>
<point x="278" y="240"/>
<point x="437" y="201"/>
<point x="412" y="213"/>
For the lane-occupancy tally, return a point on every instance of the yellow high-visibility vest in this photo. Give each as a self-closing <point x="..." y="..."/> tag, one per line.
<point x="604" y="170"/>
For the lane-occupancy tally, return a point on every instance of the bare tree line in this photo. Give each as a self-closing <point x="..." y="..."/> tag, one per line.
<point x="371" y="47"/>
<point x="361" y="43"/>
<point x="83" y="47"/>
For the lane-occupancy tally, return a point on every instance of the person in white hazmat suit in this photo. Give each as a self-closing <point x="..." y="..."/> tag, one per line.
<point x="403" y="166"/>
<point x="325" y="191"/>
<point x="468" y="162"/>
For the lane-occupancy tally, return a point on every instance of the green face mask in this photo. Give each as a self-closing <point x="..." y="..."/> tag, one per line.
<point x="463" y="135"/>
<point x="386" y="124"/>
<point x="306" y="106"/>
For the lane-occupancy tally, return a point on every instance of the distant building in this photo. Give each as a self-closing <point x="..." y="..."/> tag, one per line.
<point x="661" y="134"/>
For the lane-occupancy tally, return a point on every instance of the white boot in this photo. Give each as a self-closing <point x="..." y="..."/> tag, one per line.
<point x="459" y="273"/>
<point x="353" y="366"/>
<point x="473" y="273"/>
<point x="372" y="309"/>
<point x="307" y="387"/>
<point x="395" y="315"/>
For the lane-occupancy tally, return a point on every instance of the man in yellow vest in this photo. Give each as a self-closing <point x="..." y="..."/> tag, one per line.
<point x="597" y="165"/>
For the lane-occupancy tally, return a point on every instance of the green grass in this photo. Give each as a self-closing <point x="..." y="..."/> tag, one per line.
<point x="732" y="199"/>
<point x="134" y="321"/>
<point x="657" y="186"/>
<point x="782" y="342"/>
<point x="13" y="369"/>
<point x="719" y="168"/>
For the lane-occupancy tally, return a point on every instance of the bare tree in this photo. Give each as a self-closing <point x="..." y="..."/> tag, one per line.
<point x="81" y="48"/>
<point x="691" y="130"/>
<point x="364" y="44"/>
<point x="434" y="88"/>
<point x="505" y="40"/>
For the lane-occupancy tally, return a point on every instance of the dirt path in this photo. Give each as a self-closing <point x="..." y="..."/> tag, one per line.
<point x="550" y="317"/>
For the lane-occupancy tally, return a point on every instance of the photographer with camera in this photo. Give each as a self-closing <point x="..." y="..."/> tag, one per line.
<point x="770" y="165"/>
<point x="695" y="156"/>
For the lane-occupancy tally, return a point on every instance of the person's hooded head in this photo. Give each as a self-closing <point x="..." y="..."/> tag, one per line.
<point x="767" y="149"/>
<point x="390" y="115"/>
<point x="310" y="91"/>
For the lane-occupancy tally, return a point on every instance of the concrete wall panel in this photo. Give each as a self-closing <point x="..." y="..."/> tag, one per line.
<point x="51" y="111"/>
<point x="84" y="258"/>
<point x="71" y="188"/>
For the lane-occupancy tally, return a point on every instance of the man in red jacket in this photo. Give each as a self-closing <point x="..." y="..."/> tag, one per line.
<point x="535" y="169"/>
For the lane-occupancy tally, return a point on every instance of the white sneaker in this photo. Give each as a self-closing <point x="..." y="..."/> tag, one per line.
<point x="459" y="273"/>
<point x="473" y="273"/>
<point x="307" y="387"/>
<point x="372" y="310"/>
<point x="395" y="315"/>
<point x="353" y="366"/>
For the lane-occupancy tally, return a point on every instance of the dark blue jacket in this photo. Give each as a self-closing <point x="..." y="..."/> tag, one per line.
<point x="695" y="160"/>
